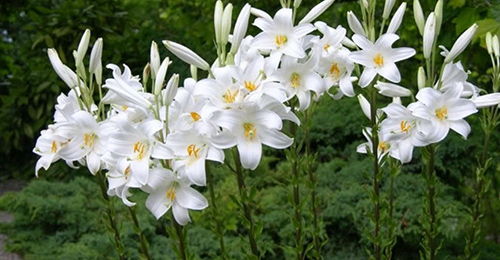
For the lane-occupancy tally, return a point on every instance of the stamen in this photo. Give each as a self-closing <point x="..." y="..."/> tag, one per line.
<point x="192" y="150"/>
<point x="379" y="60"/>
<point x="280" y="40"/>
<point x="229" y="97"/>
<point x="250" y="85"/>
<point x="54" y="147"/>
<point x="295" y="80"/>
<point x="405" y="127"/>
<point x="334" y="71"/>
<point x="383" y="146"/>
<point x="139" y="149"/>
<point x="195" y="116"/>
<point x="88" y="139"/>
<point x="442" y="113"/>
<point x="250" y="131"/>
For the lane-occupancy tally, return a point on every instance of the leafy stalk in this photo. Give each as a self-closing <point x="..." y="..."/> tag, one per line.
<point x="429" y="219"/>
<point x="219" y="229"/>
<point x="395" y="170"/>
<point x="244" y="204"/>
<point x="180" y="234"/>
<point x="143" y="241"/>
<point x="110" y="213"/>
<point x="377" y="248"/>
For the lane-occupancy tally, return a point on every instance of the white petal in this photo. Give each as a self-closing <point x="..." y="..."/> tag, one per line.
<point x="460" y="108"/>
<point x="156" y="203"/>
<point x="93" y="162"/>
<point x="196" y="172"/>
<point x="181" y="214"/>
<point x="367" y="77"/>
<point x="250" y="153"/>
<point x="390" y="72"/>
<point x="140" y="170"/>
<point x="405" y="150"/>
<point x="189" y="198"/>
<point x="276" y="139"/>
<point x="461" y="127"/>
<point x="428" y="96"/>
<point x="400" y="54"/>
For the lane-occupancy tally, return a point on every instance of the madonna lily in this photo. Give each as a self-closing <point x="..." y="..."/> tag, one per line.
<point x="222" y="91"/>
<point x="444" y="111"/>
<point x="336" y="68"/>
<point x="384" y="146"/>
<point x="47" y="147"/>
<point x="379" y="58"/>
<point x="166" y="191"/>
<point x="120" y="178"/>
<point x="249" y="128"/>
<point x="454" y="74"/>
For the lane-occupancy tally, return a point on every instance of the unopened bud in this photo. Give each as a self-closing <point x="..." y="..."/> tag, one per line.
<point x="316" y="11"/>
<point x="397" y="19"/>
<point x="461" y="43"/>
<point x="226" y="23"/>
<point x="145" y="74"/>
<point x="186" y="55"/>
<point x="421" y="78"/>
<point x="489" y="43"/>
<point x="438" y="11"/>
<point x="419" y="16"/>
<point x="194" y="72"/>
<point x="160" y="76"/>
<point x="240" y="28"/>
<point x="365" y="106"/>
<point x="496" y="46"/>
<point x="154" y="59"/>
<point x="354" y="23"/>
<point x="95" y="56"/>
<point x="429" y="35"/>
<point x="219" y="9"/>
<point x="389" y="4"/>
<point x="82" y="47"/>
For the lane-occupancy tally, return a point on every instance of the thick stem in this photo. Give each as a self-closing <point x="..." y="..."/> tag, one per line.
<point x="110" y="214"/>
<point x="313" y="180"/>
<point x="376" y="188"/>
<point x="247" y="211"/>
<point x="142" y="238"/>
<point x="296" y="195"/>
<point x="432" y="202"/>
<point x="219" y="229"/>
<point x="182" y="240"/>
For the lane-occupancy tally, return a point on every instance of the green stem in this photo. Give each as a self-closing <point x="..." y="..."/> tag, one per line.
<point x="182" y="239"/>
<point x="219" y="229"/>
<point x="432" y="203"/>
<point x="376" y="185"/>
<point x="142" y="238"/>
<point x="247" y="211"/>
<point x="110" y="214"/>
<point x="296" y="193"/>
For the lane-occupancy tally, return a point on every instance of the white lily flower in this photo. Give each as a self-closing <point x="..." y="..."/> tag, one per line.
<point x="331" y="40"/>
<point x="336" y="69"/>
<point x="461" y="43"/>
<point x="95" y="56"/>
<point x="186" y="55"/>
<point x="47" y="147"/>
<point x="66" y="106"/>
<point x="316" y="11"/>
<point x="487" y="100"/>
<point x="401" y="126"/>
<point x="392" y="90"/>
<point x="249" y="128"/>
<point x="354" y="24"/>
<point x="397" y="19"/>
<point x="168" y="191"/>
<point x="453" y="75"/>
<point x="299" y="80"/>
<point x="120" y="178"/>
<point x="280" y="36"/>
<point x="444" y="111"/>
<point x="222" y="91"/>
<point x="240" y="28"/>
<point x="384" y="146"/>
<point x="379" y="58"/>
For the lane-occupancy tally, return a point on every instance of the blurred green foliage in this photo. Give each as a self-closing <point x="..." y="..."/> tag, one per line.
<point x="60" y="217"/>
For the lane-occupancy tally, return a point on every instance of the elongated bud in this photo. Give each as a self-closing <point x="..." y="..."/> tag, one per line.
<point x="365" y="3"/>
<point x="186" y="55"/>
<point x="354" y="23"/>
<point x="429" y="35"/>
<point x="391" y="90"/>
<point x="397" y="19"/>
<point x="219" y="9"/>
<point x="438" y="11"/>
<point x="154" y="62"/>
<point x="348" y="43"/>
<point x="496" y="46"/>
<point x="389" y="4"/>
<point x="488" y="100"/>
<point x="65" y="73"/>
<point x="259" y="13"/>
<point x="194" y="72"/>
<point x="82" y="47"/>
<point x="98" y="74"/>
<point x="171" y="89"/>
<point x="296" y="3"/>
<point x="419" y="16"/>
<point x="489" y="43"/>
<point x="316" y="11"/>
<point x="240" y="28"/>
<point x="95" y="56"/>
<point x="421" y="78"/>
<point x="365" y="105"/>
<point x="226" y="23"/>
<point x="160" y="76"/>
<point x="145" y="74"/>
<point x="461" y="43"/>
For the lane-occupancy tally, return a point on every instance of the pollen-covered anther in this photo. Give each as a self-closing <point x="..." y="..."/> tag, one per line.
<point x="442" y="113"/>
<point x="88" y="139"/>
<point x="229" y="96"/>
<point x="295" y="80"/>
<point x="250" y="130"/>
<point x="379" y="60"/>
<point x="170" y="194"/>
<point x="127" y="173"/>
<point x="53" y="149"/>
<point x="250" y="85"/>
<point x="326" y="46"/>
<point x="280" y="40"/>
<point x="195" y="116"/>
<point x="139" y="149"/>
<point x="383" y="146"/>
<point x="405" y="127"/>
<point x="335" y="71"/>
<point x="192" y="150"/>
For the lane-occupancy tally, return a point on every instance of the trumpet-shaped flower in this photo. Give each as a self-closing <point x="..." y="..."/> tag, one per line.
<point x="47" y="147"/>
<point x="444" y="111"/>
<point x="379" y="58"/>
<point x="336" y="68"/>
<point x="166" y="191"/>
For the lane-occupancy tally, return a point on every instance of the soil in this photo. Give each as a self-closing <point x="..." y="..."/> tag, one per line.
<point x="8" y="186"/>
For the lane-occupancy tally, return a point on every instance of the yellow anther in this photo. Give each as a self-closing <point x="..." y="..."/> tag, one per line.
<point x="405" y="127"/>
<point x="442" y="113"/>
<point x="171" y="194"/>
<point x="280" y="40"/>
<point x="229" y="96"/>
<point x="124" y="108"/>
<point x="250" y="130"/>
<point x="326" y="46"/>
<point x="192" y="150"/>
<point x="54" y="147"/>
<point x="88" y="139"/>
<point x="139" y="149"/>
<point x="335" y="71"/>
<point x="195" y="116"/>
<point x="250" y="85"/>
<point x="127" y="173"/>
<point x="295" y="80"/>
<point x="383" y="146"/>
<point x="379" y="60"/>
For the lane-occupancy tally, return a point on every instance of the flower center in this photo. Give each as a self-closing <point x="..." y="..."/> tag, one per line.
<point x="171" y="194"/>
<point x="405" y="127"/>
<point x="250" y="85"/>
<point x="229" y="96"/>
<point x="88" y="139"/>
<point x="442" y="113"/>
<point x="379" y="60"/>
<point x="280" y="40"/>
<point x="192" y="150"/>
<point x="334" y="71"/>
<point x="250" y="131"/>
<point x="383" y="146"/>
<point x="326" y="46"/>
<point x="139" y="149"/>
<point x="295" y="80"/>
<point x="54" y="147"/>
<point x="124" y="108"/>
<point x="195" y="116"/>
